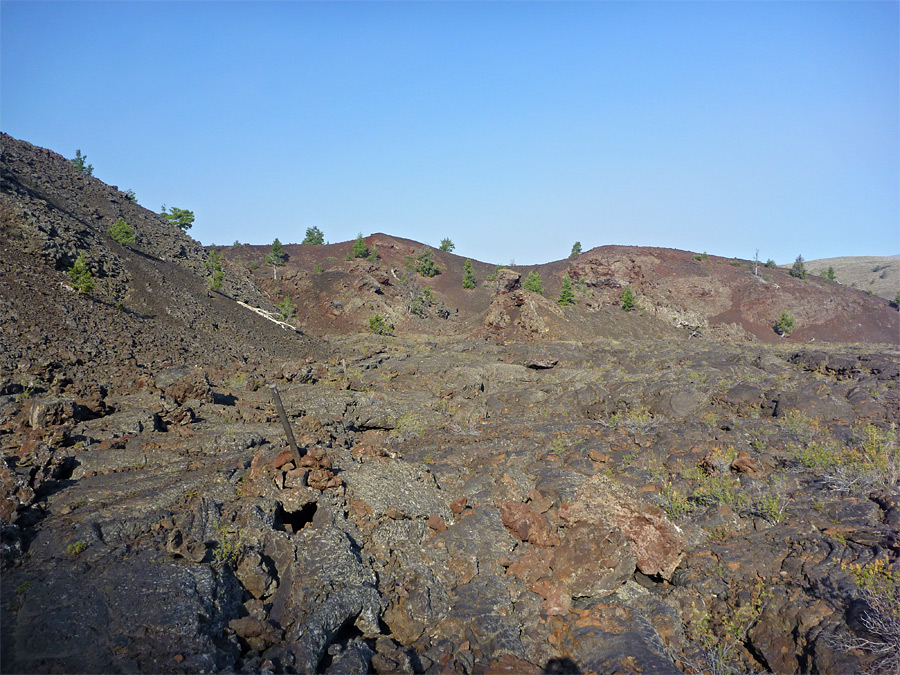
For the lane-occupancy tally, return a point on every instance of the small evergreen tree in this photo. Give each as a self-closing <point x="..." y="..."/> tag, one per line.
<point x="785" y="324"/>
<point x="447" y="245"/>
<point x="183" y="218"/>
<point x="80" y="163"/>
<point x="576" y="249"/>
<point x="533" y="283"/>
<point x="425" y="264"/>
<point x="468" y="276"/>
<point x="378" y="325"/>
<point x="771" y="264"/>
<point x="130" y="196"/>
<point x="313" y="236"/>
<point x="566" y="296"/>
<point x="627" y="298"/>
<point x="373" y="254"/>
<point x="829" y="274"/>
<point x="121" y="232"/>
<point x="82" y="279"/>
<point x="286" y="309"/>
<point x="214" y="267"/>
<point x="276" y="258"/>
<point x="359" y="247"/>
<point x="798" y="269"/>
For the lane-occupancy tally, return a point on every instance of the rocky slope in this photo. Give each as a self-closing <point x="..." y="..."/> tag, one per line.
<point x="502" y="485"/>
<point x="695" y="293"/>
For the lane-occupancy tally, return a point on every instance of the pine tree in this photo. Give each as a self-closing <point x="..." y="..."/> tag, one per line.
<point x="627" y="299"/>
<point x="798" y="269"/>
<point x="183" y="218"/>
<point x="80" y="163"/>
<point x="425" y="264"/>
<point x="373" y="254"/>
<point x="566" y="296"/>
<point x="533" y="283"/>
<point x="447" y="245"/>
<point x="286" y="309"/>
<point x="576" y="249"/>
<point x="276" y="258"/>
<point x="468" y="276"/>
<point x="214" y="267"/>
<point x="829" y="274"/>
<point x="313" y="236"/>
<point x="359" y="247"/>
<point x="121" y="232"/>
<point x="82" y="279"/>
<point x="785" y="324"/>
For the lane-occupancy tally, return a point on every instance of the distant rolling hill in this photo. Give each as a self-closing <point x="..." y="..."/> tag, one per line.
<point x="878" y="274"/>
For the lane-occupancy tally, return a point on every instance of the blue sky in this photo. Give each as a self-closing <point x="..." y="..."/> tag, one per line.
<point x="515" y="129"/>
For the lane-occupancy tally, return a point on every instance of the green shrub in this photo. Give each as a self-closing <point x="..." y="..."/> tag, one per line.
<point x="469" y="281"/>
<point x="627" y="298"/>
<point x="130" y="196"/>
<point x="379" y="326"/>
<point x="533" y="283"/>
<point x="373" y="254"/>
<point x="829" y="274"/>
<point x="425" y="264"/>
<point x="566" y="296"/>
<point x="701" y="256"/>
<point x="77" y="548"/>
<point x="313" y="236"/>
<point x="447" y="245"/>
<point x="121" y="232"/>
<point x="82" y="280"/>
<point x="318" y="269"/>
<point x="771" y="264"/>
<point x="785" y="324"/>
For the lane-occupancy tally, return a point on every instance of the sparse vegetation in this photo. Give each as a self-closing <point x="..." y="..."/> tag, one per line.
<point x="121" y="232"/>
<point x="82" y="279"/>
<point x="314" y="237"/>
<point x="469" y="281"/>
<point x="130" y="196"/>
<point x="533" y="283"/>
<point x="701" y="256"/>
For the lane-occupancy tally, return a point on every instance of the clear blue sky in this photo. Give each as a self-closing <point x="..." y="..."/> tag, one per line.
<point x="515" y="129"/>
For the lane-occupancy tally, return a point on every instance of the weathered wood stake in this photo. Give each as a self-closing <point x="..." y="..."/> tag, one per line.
<point x="287" y="425"/>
